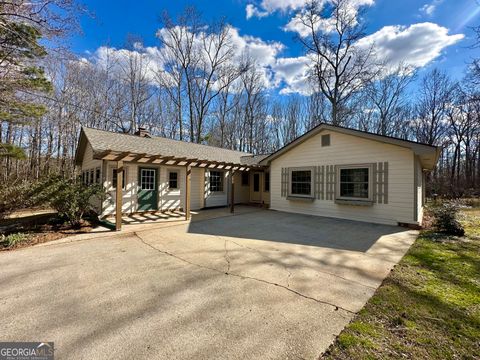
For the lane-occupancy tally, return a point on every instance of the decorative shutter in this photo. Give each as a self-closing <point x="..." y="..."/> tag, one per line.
<point x="330" y="182"/>
<point x="284" y="184"/>
<point x="319" y="182"/>
<point x="385" y="182"/>
<point x="380" y="183"/>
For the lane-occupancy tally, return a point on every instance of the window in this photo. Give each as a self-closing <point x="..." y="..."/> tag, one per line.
<point x="245" y="178"/>
<point x="92" y="176"/>
<point x="114" y="179"/>
<point x="97" y="175"/>
<point x="216" y="181"/>
<point x="173" y="180"/>
<point x="84" y="178"/>
<point x="326" y="140"/>
<point x="256" y="182"/>
<point x="301" y="182"/>
<point x="266" y="183"/>
<point x="354" y="183"/>
<point x="147" y="179"/>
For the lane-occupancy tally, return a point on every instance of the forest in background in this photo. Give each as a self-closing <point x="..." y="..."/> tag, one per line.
<point x="195" y="86"/>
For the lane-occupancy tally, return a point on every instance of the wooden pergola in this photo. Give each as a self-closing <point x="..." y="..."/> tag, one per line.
<point x="148" y="159"/>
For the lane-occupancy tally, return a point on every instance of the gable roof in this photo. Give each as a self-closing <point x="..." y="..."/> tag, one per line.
<point x="102" y="140"/>
<point x="428" y="154"/>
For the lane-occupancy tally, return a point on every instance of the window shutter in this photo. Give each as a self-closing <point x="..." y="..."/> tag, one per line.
<point x="385" y="182"/>
<point x="380" y="183"/>
<point x="284" y="184"/>
<point x="319" y="182"/>
<point x="330" y="182"/>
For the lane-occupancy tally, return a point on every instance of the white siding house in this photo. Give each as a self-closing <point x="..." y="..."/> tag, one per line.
<point x="329" y="171"/>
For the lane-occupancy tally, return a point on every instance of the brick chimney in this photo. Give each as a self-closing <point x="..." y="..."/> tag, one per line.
<point x="142" y="132"/>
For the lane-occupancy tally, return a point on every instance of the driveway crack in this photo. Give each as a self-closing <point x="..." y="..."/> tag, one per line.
<point x="290" y="273"/>
<point x="227" y="258"/>
<point x="285" y="267"/>
<point x="336" y="307"/>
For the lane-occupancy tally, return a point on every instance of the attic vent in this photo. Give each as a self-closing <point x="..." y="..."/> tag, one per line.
<point x="142" y="132"/>
<point x="326" y="140"/>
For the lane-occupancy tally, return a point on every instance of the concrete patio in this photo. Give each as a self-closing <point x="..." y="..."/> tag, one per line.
<point x="257" y="284"/>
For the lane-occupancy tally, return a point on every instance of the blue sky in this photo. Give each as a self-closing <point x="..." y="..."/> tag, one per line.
<point x="432" y="33"/>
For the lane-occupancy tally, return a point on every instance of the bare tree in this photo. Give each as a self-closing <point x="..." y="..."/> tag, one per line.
<point x="435" y="96"/>
<point x="340" y="67"/>
<point x="387" y="97"/>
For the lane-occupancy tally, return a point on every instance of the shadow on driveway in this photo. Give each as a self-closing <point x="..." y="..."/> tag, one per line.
<point x="297" y="229"/>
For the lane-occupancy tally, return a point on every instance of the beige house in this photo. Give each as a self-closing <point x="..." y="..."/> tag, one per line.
<point x="329" y="171"/>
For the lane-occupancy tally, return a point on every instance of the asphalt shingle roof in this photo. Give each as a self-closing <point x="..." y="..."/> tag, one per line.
<point x="102" y="140"/>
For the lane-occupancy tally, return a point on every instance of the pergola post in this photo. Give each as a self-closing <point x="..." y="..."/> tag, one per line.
<point x="232" y="193"/>
<point x="188" y="171"/>
<point x="119" y="197"/>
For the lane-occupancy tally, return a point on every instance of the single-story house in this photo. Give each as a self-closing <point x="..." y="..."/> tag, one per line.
<point x="329" y="171"/>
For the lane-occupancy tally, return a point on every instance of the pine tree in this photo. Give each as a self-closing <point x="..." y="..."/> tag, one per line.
<point x="20" y="75"/>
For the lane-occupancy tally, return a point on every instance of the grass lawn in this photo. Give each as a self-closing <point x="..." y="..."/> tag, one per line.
<point x="427" y="308"/>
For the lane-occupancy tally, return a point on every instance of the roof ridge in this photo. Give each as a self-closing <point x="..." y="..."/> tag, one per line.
<point x="169" y="139"/>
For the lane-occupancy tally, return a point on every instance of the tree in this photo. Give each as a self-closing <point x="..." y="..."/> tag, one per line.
<point x="435" y="96"/>
<point x="22" y="24"/>
<point x="340" y="67"/>
<point x="387" y="97"/>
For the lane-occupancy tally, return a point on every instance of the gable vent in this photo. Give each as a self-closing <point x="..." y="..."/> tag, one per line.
<point x="326" y="140"/>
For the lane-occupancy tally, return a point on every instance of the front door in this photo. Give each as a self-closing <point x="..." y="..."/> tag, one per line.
<point x="147" y="189"/>
<point x="256" y="190"/>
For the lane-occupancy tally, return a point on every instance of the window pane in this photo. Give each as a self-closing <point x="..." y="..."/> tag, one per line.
<point x="147" y="179"/>
<point x="354" y="183"/>
<point x="173" y="180"/>
<point x="267" y="182"/>
<point x="245" y="176"/>
<point x="114" y="179"/>
<point x="256" y="182"/>
<point x="216" y="181"/>
<point x="301" y="182"/>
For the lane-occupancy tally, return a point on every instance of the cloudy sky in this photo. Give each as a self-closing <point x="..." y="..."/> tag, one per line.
<point x="424" y="34"/>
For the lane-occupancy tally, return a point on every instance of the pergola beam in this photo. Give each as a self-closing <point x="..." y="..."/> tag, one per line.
<point x="119" y="197"/>
<point x="188" y="171"/>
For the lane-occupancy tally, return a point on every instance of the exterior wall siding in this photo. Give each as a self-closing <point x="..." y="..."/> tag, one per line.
<point x="346" y="149"/>
<point x="419" y="190"/>
<point x="168" y="199"/>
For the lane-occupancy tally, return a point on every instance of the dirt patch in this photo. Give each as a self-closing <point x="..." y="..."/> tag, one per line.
<point x="37" y="234"/>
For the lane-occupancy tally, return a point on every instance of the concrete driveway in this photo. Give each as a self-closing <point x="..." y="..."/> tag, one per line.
<point x="261" y="284"/>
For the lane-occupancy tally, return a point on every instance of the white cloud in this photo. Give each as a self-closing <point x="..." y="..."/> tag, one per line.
<point x="429" y="8"/>
<point x="325" y="24"/>
<point x="291" y="74"/>
<point x="415" y="45"/>
<point x="117" y="60"/>
<point x="251" y="11"/>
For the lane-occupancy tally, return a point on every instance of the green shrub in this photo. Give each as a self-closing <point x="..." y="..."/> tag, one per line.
<point x="71" y="198"/>
<point x="445" y="218"/>
<point x="13" y="239"/>
<point x="13" y="197"/>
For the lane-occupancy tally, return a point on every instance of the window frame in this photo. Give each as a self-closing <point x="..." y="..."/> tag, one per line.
<point x="177" y="180"/>
<point x="222" y="181"/>
<point x="266" y="175"/>
<point x="290" y="182"/>
<point x="245" y="176"/>
<point x="113" y="169"/>
<point x="98" y="175"/>
<point x="339" y="168"/>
